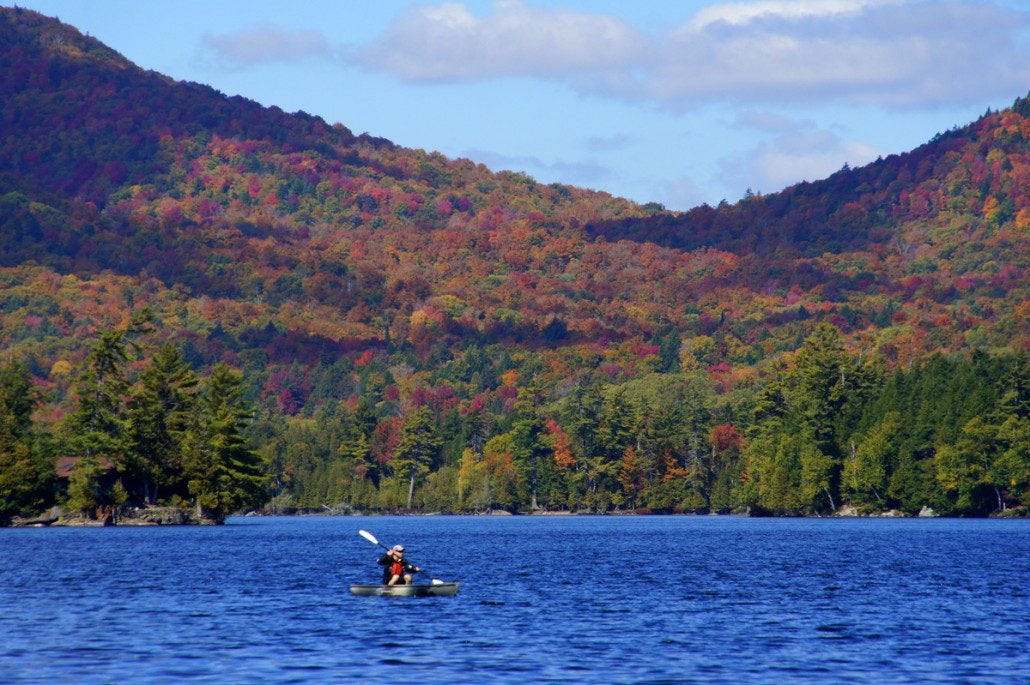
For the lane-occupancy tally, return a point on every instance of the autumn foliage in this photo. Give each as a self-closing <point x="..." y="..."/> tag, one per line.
<point x="559" y="344"/>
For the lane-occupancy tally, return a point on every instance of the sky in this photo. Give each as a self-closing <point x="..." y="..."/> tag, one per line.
<point x="676" y="102"/>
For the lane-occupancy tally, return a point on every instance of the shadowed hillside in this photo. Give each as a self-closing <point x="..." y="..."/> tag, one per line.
<point x="978" y="173"/>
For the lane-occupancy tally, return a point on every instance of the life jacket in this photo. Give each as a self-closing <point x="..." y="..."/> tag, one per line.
<point x="397" y="568"/>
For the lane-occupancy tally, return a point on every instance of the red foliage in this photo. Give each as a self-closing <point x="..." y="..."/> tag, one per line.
<point x="725" y="437"/>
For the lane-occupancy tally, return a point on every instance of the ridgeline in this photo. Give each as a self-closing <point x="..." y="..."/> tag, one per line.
<point x="395" y="330"/>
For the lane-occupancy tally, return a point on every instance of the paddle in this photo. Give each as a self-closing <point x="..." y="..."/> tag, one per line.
<point x="372" y="538"/>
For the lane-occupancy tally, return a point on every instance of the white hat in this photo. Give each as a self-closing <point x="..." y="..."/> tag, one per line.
<point x="398" y="548"/>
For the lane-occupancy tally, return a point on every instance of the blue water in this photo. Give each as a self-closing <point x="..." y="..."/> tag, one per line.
<point x="543" y="599"/>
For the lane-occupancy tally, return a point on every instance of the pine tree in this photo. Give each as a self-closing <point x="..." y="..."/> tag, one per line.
<point x="223" y="473"/>
<point x="865" y="469"/>
<point x="23" y="478"/>
<point x="418" y="446"/>
<point x="531" y="451"/>
<point x="84" y="487"/>
<point x="98" y="424"/>
<point x="162" y="410"/>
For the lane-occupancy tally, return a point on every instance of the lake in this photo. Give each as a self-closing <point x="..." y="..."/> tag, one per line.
<point x="543" y="599"/>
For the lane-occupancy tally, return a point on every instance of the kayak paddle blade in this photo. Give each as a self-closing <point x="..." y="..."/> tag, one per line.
<point x="368" y="536"/>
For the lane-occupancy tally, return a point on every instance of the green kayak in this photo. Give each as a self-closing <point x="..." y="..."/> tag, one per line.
<point x="435" y="590"/>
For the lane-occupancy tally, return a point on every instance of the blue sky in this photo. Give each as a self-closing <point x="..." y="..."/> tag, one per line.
<point x="674" y="102"/>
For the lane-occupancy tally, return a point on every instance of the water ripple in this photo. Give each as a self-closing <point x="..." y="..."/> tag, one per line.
<point x="568" y="599"/>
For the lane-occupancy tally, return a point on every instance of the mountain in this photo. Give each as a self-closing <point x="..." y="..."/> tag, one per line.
<point x="247" y="227"/>
<point x="977" y="171"/>
<point x="356" y="283"/>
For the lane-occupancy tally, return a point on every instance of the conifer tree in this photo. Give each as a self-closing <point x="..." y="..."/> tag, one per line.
<point x="418" y="446"/>
<point x="865" y="469"/>
<point x="531" y="451"/>
<point x="223" y="473"/>
<point x="98" y="424"/>
<point x="161" y="411"/>
<point x="23" y="478"/>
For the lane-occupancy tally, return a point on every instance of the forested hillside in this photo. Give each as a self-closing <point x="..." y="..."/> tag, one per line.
<point x="415" y="331"/>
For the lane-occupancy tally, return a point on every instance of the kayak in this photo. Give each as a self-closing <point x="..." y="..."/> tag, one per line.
<point x="437" y="590"/>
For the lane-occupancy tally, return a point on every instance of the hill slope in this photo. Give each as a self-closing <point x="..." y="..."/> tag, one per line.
<point x="250" y="227"/>
<point x="360" y="285"/>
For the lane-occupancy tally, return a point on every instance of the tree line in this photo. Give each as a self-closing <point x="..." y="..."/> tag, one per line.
<point x="827" y="428"/>
<point x="143" y="430"/>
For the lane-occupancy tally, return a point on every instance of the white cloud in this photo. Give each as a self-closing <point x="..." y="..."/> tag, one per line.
<point x="680" y="194"/>
<point x="579" y="173"/>
<point x="738" y="13"/>
<point x="792" y="158"/>
<point x="886" y="52"/>
<point x="619" y="141"/>
<point x="267" y="44"/>
<point x="447" y="43"/>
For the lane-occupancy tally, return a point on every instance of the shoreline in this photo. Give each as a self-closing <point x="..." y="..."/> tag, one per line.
<point x="175" y="516"/>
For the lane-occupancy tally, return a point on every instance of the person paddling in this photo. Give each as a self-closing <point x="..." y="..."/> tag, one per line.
<point x="396" y="570"/>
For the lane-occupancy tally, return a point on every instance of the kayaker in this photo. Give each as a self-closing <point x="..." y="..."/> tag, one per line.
<point x="395" y="569"/>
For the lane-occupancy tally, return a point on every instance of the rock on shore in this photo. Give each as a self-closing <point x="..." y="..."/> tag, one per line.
<point x="148" y="516"/>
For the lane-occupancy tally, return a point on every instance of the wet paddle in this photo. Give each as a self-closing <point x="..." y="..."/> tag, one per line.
<point x="372" y="538"/>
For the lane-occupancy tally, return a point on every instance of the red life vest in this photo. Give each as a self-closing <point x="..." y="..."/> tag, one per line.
<point x="397" y="568"/>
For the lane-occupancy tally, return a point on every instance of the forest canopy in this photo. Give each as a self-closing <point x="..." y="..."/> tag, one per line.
<point x="209" y="302"/>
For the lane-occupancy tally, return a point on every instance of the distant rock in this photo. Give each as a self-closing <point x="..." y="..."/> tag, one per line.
<point x="162" y="516"/>
<point x="927" y="512"/>
<point x="48" y="518"/>
<point x="848" y="511"/>
<point x="149" y="516"/>
<point x="893" y="514"/>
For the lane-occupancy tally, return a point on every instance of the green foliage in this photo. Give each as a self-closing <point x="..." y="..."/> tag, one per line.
<point x="162" y="409"/>
<point x="24" y="476"/>
<point x="419" y="445"/>
<point x="865" y="470"/>
<point x="418" y="331"/>
<point x="85" y="491"/>
<point x="97" y="427"/>
<point x="796" y="458"/>
<point x="223" y="473"/>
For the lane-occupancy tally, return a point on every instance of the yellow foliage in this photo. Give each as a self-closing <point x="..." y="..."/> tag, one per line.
<point x="1023" y="219"/>
<point x="418" y="318"/>
<point x="60" y="368"/>
<point x="454" y="306"/>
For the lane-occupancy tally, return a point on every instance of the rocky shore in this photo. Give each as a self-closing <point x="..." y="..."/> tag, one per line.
<point x="178" y="516"/>
<point x="146" y="516"/>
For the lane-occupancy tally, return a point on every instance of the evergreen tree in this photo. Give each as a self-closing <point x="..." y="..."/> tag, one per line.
<point x="531" y="452"/>
<point x="417" y="449"/>
<point x="97" y="426"/>
<point x="161" y="411"/>
<point x="24" y="477"/>
<point x="865" y="470"/>
<point x="223" y="473"/>
<point x="359" y="472"/>
<point x="799" y="416"/>
<point x="669" y="352"/>
<point x="84" y="486"/>
<point x="823" y="381"/>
